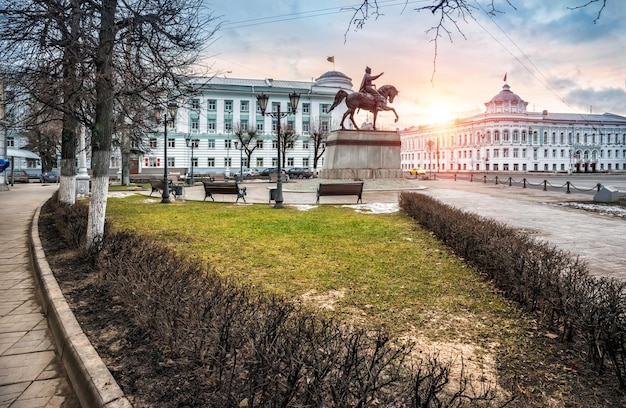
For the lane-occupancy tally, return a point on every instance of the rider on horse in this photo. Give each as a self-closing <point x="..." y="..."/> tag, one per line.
<point x="368" y="87"/>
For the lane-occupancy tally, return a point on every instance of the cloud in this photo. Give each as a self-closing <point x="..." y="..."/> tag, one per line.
<point x="601" y="101"/>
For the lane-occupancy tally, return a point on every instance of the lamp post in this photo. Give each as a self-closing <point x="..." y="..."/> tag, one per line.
<point x="171" y="110"/>
<point x="241" y="161"/>
<point x="262" y="99"/>
<point x="190" y="143"/>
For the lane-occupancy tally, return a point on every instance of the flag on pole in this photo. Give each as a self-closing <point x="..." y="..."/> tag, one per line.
<point x="331" y="59"/>
<point x="504" y="77"/>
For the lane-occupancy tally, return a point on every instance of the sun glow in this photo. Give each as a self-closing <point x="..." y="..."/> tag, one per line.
<point x="439" y="112"/>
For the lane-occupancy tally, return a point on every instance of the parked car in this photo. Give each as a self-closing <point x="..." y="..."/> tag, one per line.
<point x="300" y="172"/>
<point x="18" y="176"/>
<point x="273" y="170"/>
<point x="51" y="176"/>
<point x="33" y="174"/>
<point x="248" y="172"/>
<point x="415" y="172"/>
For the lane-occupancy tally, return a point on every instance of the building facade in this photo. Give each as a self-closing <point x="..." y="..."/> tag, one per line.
<point x="220" y="106"/>
<point x="506" y="137"/>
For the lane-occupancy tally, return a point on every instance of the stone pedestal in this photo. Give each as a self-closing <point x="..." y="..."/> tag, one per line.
<point x="362" y="154"/>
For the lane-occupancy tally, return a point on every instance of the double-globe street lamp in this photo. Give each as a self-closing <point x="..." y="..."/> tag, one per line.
<point x="171" y="110"/>
<point x="190" y="143"/>
<point x="262" y="99"/>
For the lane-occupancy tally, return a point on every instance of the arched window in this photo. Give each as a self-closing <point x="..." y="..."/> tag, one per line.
<point x="496" y="136"/>
<point x="505" y="135"/>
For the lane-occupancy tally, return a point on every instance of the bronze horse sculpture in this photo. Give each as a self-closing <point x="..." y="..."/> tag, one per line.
<point x="361" y="100"/>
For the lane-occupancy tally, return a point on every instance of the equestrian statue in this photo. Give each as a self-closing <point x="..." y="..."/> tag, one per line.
<point x="368" y="98"/>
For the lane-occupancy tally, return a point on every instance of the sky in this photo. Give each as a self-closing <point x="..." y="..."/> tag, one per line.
<point x="555" y="56"/>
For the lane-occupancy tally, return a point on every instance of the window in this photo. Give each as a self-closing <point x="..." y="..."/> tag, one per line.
<point x="227" y="144"/>
<point x="171" y="162"/>
<point x="153" y="143"/>
<point x="195" y="103"/>
<point x="305" y="144"/>
<point x="306" y="108"/>
<point x="211" y="143"/>
<point x="274" y="162"/>
<point x="244" y="106"/>
<point x="171" y="142"/>
<point x="211" y="126"/>
<point x="228" y="161"/>
<point x="274" y="144"/>
<point x="195" y="124"/>
<point x="325" y="107"/>
<point x="523" y="136"/>
<point x="275" y="106"/>
<point x="305" y="162"/>
<point x="496" y="152"/>
<point x="289" y="144"/>
<point x="244" y="162"/>
<point x="212" y="105"/>
<point x="496" y="136"/>
<point x="515" y="136"/>
<point x="11" y="142"/>
<point x="505" y="152"/>
<point x="505" y="135"/>
<point x="194" y="162"/>
<point x="290" y="161"/>
<point x="243" y="124"/>
<point x="259" y="162"/>
<point x="515" y="153"/>
<point x="325" y="126"/>
<point x="228" y="106"/>
<point x="210" y="162"/>
<point x="154" y="162"/>
<point x="306" y="126"/>
<point x="553" y="152"/>
<point x="259" y="127"/>
<point x="228" y="126"/>
<point x="259" y="144"/>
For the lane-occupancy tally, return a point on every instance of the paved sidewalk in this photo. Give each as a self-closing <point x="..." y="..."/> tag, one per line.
<point x="31" y="373"/>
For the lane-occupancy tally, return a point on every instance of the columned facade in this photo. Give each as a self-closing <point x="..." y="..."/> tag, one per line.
<point x="509" y="138"/>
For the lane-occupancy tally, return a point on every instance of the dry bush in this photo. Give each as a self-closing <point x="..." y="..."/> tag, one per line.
<point x="541" y="278"/>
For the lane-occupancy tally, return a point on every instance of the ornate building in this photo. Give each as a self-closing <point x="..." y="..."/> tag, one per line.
<point x="506" y="137"/>
<point x="220" y="106"/>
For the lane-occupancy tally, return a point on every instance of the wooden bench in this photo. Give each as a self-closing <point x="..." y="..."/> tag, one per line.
<point x="340" y="189"/>
<point x="211" y="188"/>
<point x="157" y="185"/>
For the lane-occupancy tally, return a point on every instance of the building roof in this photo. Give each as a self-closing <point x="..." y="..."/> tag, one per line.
<point x="506" y="95"/>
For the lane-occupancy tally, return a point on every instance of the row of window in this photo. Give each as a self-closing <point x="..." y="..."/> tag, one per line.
<point x="528" y="138"/>
<point x="228" y="143"/>
<point x="260" y="125"/>
<point x="244" y="106"/>
<point x="515" y="153"/>
<point x="517" y="167"/>
<point x="212" y="162"/>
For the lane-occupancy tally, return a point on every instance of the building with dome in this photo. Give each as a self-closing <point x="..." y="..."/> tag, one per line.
<point x="507" y="137"/>
<point x="219" y="106"/>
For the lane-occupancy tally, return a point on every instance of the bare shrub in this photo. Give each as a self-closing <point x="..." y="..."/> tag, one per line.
<point x="540" y="277"/>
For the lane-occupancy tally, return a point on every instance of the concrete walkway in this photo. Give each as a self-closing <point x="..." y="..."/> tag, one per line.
<point x="31" y="373"/>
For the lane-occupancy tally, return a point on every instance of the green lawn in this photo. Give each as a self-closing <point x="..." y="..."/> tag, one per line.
<point x="375" y="268"/>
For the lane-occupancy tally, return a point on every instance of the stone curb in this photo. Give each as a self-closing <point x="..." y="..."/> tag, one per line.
<point x="90" y="378"/>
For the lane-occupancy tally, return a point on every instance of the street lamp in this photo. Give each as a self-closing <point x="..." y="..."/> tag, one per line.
<point x="262" y="99"/>
<point x="190" y="143"/>
<point x="171" y="110"/>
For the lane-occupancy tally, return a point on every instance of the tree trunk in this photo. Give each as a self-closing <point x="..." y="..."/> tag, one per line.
<point x="71" y="86"/>
<point x="125" y="157"/>
<point x="103" y="126"/>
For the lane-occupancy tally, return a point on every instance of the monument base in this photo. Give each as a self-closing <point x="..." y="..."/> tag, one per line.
<point x="362" y="154"/>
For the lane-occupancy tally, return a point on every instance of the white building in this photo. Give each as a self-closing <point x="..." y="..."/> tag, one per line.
<point x="506" y="137"/>
<point x="221" y="105"/>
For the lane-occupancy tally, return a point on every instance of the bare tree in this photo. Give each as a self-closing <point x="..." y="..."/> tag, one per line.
<point x="447" y="14"/>
<point x="80" y="48"/>
<point x="247" y="139"/>
<point x="287" y="139"/>
<point x="319" y="134"/>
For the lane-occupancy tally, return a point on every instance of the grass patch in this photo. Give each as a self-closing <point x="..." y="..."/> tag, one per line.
<point x="374" y="268"/>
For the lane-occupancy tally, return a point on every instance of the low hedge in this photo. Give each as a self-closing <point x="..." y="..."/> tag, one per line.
<point x="587" y="311"/>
